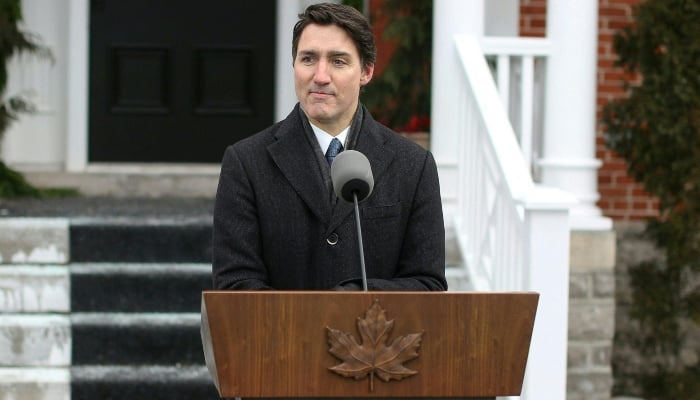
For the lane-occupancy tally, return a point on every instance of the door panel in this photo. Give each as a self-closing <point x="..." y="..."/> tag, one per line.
<point x="177" y="80"/>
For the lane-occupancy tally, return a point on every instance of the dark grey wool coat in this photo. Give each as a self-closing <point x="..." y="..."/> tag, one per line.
<point x="275" y="226"/>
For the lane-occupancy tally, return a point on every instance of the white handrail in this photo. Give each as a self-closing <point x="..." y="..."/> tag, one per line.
<point x="513" y="234"/>
<point x="519" y="69"/>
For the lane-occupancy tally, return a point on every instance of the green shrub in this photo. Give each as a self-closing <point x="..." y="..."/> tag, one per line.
<point x="400" y="96"/>
<point x="13" y="41"/>
<point x="656" y="129"/>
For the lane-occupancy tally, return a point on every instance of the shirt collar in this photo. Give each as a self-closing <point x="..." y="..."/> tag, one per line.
<point x="324" y="138"/>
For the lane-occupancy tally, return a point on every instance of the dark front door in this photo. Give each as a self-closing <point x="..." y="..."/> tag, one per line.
<point x="178" y="80"/>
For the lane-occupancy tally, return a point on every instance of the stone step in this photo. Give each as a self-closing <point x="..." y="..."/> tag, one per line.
<point x="147" y="382"/>
<point x="35" y="340"/>
<point x="151" y="181"/>
<point x="34" y="288"/>
<point x="106" y="229"/>
<point x="140" y="287"/>
<point x="33" y="240"/>
<point x="135" y="339"/>
<point x="134" y="240"/>
<point x="35" y="383"/>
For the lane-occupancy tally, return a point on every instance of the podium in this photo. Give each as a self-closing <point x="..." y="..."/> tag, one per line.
<point x="288" y="344"/>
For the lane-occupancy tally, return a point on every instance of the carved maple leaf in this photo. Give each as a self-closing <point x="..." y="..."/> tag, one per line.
<point x="373" y="356"/>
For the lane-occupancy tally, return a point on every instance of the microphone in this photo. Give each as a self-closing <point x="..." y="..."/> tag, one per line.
<point x="351" y="173"/>
<point x="353" y="182"/>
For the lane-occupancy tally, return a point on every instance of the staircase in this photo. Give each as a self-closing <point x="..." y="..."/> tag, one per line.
<point x="136" y="282"/>
<point x="137" y="268"/>
<point x="136" y="331"/>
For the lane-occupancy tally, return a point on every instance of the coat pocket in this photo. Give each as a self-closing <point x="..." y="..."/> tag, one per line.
<point x="390" y="211"/>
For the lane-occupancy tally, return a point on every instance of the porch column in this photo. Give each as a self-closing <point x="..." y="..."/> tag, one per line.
<point x="569" y="159"/>
<point x="77" y="83"/>
<point x="450" y="17"/>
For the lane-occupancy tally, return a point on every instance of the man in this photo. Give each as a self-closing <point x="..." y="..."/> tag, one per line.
<point x="277" y="222"/>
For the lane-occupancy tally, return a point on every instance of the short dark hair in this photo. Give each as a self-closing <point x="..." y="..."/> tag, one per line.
<point x="348" y="18"/>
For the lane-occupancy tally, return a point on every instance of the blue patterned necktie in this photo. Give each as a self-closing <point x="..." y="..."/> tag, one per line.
<point x="333" y="150"/>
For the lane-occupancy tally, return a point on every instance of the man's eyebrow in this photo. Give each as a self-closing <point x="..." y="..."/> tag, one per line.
<point x="307" y="52"/>
<point x="338" y="53"/>
<point x="332" y="53"/>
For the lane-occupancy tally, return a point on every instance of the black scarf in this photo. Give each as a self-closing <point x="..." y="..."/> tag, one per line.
<point x="350" y="143"/>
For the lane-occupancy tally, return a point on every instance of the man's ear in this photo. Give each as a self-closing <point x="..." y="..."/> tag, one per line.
<point x="367" y="73"/>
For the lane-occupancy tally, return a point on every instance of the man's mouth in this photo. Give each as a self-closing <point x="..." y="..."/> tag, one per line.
<point x="320" y="93"/>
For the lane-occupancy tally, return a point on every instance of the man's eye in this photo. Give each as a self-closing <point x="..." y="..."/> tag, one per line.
<point x="306" y="59"/>
<point x="339" y="62"/>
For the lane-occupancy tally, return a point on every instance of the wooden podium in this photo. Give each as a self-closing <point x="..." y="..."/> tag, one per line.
<point x="271" y="344"/>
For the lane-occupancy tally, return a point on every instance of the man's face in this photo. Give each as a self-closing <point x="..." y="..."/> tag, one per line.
<point x="328" y="75"/>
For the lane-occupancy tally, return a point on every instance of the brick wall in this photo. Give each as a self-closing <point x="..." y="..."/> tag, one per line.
<point x="533" y="18"/>
<point x="621" y="198"/>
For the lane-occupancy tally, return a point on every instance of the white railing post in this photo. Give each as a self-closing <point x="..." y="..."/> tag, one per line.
<point x="527" y="85"/>
<point x="547" y="250"/>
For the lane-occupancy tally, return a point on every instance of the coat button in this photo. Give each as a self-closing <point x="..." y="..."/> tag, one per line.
<point x="332" y="239"/>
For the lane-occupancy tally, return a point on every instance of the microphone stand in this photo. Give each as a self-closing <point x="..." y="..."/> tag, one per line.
<point x="359" y="242"/>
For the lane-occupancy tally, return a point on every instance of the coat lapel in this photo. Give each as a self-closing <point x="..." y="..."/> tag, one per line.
<point x="295" y="158"/>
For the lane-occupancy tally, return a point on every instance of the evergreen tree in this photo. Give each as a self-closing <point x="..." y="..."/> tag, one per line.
<point x="13" y="41"/>
<point x="656" y="129"/>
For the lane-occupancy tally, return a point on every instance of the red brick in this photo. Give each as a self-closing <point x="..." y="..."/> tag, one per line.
<point x="535" y="9"/>
<point x="614" y="192"/>
<point x="615" y="11"/>
<point x="639" y="191"/>
<point x="615" y="74"/>
<point x="603" y="183"/>
<point x="616" y="24"/>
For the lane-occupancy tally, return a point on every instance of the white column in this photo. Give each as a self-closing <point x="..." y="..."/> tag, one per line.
<point x="78" y="74"/>
<point x="36" y="141"/>
<point x="569" y="159"/>
<point x="450" y="17"/>
<point x="285" y="97"/>
<point x="547" y="247"/>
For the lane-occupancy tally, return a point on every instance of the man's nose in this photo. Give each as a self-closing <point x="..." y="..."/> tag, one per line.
<point x="322" y="74"/>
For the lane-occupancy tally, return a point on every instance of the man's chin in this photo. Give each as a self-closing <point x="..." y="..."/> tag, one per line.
<point x="317" y="115"/>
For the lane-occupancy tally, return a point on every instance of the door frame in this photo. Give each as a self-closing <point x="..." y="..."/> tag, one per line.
<point x="78" y="78"/>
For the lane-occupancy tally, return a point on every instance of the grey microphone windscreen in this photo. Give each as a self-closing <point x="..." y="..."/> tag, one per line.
<point x="352" y="173"/>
